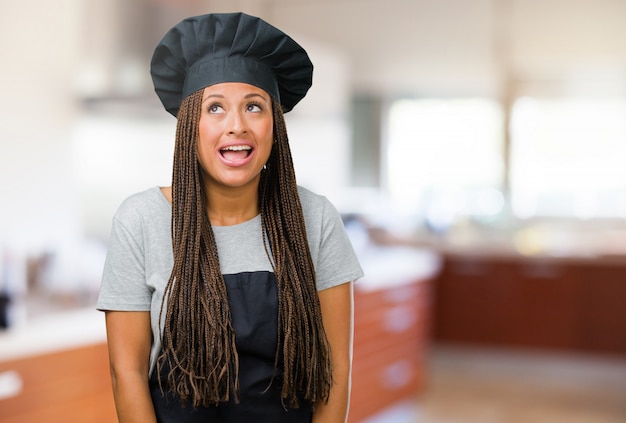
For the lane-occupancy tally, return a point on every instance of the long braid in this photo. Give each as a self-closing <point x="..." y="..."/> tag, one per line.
<point x="305" y="348"/>
<point x="198" y="337"/>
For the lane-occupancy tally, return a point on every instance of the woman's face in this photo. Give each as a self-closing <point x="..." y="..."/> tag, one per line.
<point x="236" y="134"/>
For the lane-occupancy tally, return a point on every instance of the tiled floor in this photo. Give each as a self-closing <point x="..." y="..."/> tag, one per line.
<point x="497" y="386"/>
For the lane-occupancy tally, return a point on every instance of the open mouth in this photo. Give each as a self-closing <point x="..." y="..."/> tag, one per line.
<point x="235" y="153"/>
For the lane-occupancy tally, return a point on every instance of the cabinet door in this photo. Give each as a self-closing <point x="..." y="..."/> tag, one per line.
<point x="602" y="309"/>
<point x="474" y="297"/>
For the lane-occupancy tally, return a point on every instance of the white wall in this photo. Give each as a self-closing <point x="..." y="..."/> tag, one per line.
<point x="39" y="47"/>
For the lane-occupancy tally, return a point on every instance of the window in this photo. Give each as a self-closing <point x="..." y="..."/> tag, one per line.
<point x="445" y="160"/>
<point x="568" y="158"/>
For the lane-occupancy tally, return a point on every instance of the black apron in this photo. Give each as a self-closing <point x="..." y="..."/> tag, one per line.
<point x="253" y="304"/>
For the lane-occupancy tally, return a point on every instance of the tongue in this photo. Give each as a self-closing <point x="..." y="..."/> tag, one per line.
<point x="233" y="156"/>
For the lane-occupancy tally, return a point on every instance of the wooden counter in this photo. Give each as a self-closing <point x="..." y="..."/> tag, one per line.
<point x="56" y="370"/>
<point x="390" y="341"/>
<point x="563" y="303"/>
<point x="392" y="315"/>
<point x="70" y="386"/>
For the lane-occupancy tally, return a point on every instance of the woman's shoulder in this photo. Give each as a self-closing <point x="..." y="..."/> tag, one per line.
<point x="148" y="203"/>
<point x="316" y="207"/>
<point x="310" y="199"/>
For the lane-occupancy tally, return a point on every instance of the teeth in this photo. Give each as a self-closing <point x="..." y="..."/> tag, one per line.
<point x="237" y="148"/>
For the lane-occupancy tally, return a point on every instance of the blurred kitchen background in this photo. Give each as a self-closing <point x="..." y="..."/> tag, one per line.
<point x="476" y="149"/>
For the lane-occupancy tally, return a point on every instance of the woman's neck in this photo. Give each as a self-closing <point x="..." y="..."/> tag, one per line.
<point x="232" y="206"/>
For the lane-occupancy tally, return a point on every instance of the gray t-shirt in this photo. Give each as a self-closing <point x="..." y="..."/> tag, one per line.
<point x="139" y="259"/>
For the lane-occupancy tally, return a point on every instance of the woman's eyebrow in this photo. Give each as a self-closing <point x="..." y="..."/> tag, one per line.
<point x="255" y="95"/>
<point x="212" y="96"/>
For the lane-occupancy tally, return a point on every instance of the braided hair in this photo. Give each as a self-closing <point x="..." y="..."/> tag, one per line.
<point x="198" y="340"/>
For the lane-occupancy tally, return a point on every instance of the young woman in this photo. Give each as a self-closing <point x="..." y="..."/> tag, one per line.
<point x="228" y="296"/>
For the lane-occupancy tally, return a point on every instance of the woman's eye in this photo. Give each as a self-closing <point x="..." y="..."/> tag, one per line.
<point x="254" y="107"/>
<point x="215" y="108"/>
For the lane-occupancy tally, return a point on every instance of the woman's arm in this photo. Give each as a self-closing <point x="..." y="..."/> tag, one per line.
<point x="337" y="316"/>
<point x="129" y="339"/>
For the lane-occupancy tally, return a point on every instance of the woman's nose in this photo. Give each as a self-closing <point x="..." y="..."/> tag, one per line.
<point x="237" y="123"/>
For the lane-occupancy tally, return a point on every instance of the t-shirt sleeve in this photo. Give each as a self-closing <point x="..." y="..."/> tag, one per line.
<point x="337" y="262"/>
<point x="123" y="285"/>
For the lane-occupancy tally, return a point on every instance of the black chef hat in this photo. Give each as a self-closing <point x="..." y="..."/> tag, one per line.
<point x="229" y="47"/>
